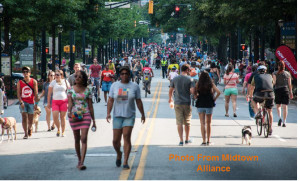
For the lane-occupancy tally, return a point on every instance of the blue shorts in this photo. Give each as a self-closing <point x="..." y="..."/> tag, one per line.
<point x="120" y="122"/>
<point x="28" y="108"/>
<point x="106" y="86"/>
<point x="205" y="110"/>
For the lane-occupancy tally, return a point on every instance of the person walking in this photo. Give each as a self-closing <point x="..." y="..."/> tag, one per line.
<point x="50" y="78"/>
<point x="27" y="92"/>
<point x="164" y="67"/>
<point x="283" y="91"/>
<point x="122" y="96"/>
<point x="184" y="87"/>
<point x="215" y="74"/>
<point x="245" y="86"/>
<point x="59" y="88"/>
<point x="71" y="79"/>
<point x="106" y="81"/>
<point x="206" y="98"/>
<point x="80" y="114"/>
<point x="231" y="80"/>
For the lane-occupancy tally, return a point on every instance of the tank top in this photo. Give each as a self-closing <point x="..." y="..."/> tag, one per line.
<point x="263" y="82"/>
<point x="205" y="100"/>
<point x="27" y="94"/>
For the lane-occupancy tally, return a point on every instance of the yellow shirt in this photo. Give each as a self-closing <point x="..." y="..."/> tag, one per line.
<point x="173" y="65"/>
<point x="111" y="66"/>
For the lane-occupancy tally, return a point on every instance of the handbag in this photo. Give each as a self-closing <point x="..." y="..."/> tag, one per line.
<point x="227" y="83"/>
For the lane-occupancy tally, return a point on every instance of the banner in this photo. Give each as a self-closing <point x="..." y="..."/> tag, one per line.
<point x="284" y="53"/>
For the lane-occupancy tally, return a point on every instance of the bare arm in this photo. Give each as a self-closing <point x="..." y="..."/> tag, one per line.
<point x="36" y="91"/>
<point x="139" y="104"/>
<point x="19" y="92"/>
<point x="171" y="90"/>
<point x="91" y="108"/>
<point x="70" y="105"/>
<point x="290" y="87"/>
<point x="274" y="79"/>
<point x="216" y="90"/>
<point x="50" y="90"/>
<point x="110" y="104"/>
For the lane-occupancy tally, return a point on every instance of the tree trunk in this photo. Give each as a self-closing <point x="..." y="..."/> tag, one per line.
<point x="256" y="45"/>
<point x="6" y="34"/>
<point x="93" y="51"/>
<point x="222" y="48"/>
<point x="53" y="46"/>
<point x="277" y="35"/>
<point x="262" y="44"/>
<point x="34" y="55"/>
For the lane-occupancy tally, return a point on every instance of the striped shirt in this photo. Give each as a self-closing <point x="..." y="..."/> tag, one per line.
<point x="231" y="80"/>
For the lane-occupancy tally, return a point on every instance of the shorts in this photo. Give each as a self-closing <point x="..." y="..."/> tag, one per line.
<point x="121" y="122"/>
<point x="28" y="108"/>
<point x="95" y="81"/>
<point x="205" y="110"/>
<point x="106" y="86"/>
<point x="268" y="97"/>
<point x="60" y="105"/>
<point x="183" y="114"/>
<point x="282" y="96"/>
<point x="231" y="91"/>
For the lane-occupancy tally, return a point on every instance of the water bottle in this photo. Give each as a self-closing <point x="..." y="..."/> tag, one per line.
<point x="93" y="129"/>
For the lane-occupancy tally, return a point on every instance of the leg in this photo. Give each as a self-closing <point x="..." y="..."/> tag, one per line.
<point x="208" y="125"/>
<point x="271" y="118"/>
<point x="180" y="132"/>
<point x="48" y="116"/>
<point x="25" y="123"/>
<point x="63" y="121"/>
<point x="77" y="143"/>
<point x="227" y="99"/>
<point x="233" y="100"/>
<point x="278" y="108"/>
<point x="15" y="129"/>
<point x="105" y="96"/>
<point x="117" y="135"/>
<point x="187" y="131"/>
<point x="84" y="136"/>
<point x="127" y="130"/>
<point x="202" y="121"/>
<point x="55" y="115"/>
<point x="285" y="112"/>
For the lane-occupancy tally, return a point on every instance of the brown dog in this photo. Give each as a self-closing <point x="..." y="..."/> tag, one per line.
<point x="8" y="123"/>
<point x="36" y="116"/>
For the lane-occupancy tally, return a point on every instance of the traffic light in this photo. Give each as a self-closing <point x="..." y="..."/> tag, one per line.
<point x="177" y="10"/>
<point x="150" y="10"/>
<point x="47" y="50"/>
<point x="243" y="47"/>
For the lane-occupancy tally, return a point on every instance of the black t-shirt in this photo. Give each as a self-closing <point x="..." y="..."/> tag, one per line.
<point x="118" y="66"/>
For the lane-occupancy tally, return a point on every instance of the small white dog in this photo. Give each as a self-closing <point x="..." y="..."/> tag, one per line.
<point x="246" y="135"/>
<point x="8" y="123"/>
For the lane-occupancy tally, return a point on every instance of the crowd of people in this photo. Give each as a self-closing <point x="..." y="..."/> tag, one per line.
<point x="194" y="78"/>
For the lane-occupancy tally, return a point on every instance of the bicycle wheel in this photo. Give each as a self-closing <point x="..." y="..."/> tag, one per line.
<point x="146" y="89"/>
<point x="266" y="124"/>
<point x="259" y="126"/>
<point x="6" y="103"/>
<point x="94" y="95"/>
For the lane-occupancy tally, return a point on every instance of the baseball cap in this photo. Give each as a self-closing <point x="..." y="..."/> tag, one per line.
<point x="109" y="61"/>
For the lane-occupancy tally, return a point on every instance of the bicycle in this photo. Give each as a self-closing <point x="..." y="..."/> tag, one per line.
<point x="95" y="94"/>
<point x="138" y="78"/>
<point x="263" y="120"/>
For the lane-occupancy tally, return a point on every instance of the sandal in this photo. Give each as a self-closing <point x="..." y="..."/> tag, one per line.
<point x="234" y="115"/>
<point x="52" y="127"/>
<point x="226" y="115"/>
<point x="203" y="144"/>
<point x="58" y="133"/>
<point x="25" y="137"/>
<point x="126" y="167"/>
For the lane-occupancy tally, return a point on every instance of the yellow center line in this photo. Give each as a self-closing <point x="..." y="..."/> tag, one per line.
<point x="141" y="168"/>
<point x="125" y="173"/>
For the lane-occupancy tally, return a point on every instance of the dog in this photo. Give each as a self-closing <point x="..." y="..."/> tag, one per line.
<point x="36" y="116"/>
<point x="246" y="135"/>
<point x="8" y="123"/>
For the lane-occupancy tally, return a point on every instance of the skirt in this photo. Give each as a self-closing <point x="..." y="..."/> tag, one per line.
<point x="84" y="123"/>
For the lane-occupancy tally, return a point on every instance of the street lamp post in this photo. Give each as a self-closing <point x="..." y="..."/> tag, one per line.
<point x="1" y="11"/>
<point x="60" y="30"/>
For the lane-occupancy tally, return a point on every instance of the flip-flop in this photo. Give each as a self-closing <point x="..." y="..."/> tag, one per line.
<point x="203" y="144"/>
<point x="126" y="167"/>
<point x="226" y="115"/>
<point x="25" y="137"/>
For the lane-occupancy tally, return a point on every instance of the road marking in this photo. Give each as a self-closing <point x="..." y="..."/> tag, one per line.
<point x="279" y="138"/>
<point x="141" y="167"/>
<point x="125" y="173"/>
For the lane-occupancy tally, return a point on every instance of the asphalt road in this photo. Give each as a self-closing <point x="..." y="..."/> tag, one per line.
<point x="44" y="156"/>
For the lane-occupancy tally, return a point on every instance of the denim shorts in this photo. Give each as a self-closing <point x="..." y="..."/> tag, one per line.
<point x="120" y="122"/>
<point x="28" y="108"/>
<point x="205" y="110"/>
<point x="106" y="86"/>
<point x="95" y="81"/>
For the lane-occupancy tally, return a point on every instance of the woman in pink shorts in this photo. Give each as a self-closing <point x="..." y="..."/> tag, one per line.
<point x="59" y="88"/>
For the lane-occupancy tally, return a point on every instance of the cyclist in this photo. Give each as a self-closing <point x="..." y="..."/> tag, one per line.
<point x="148" y="71"/>
<point x="94" y="75"/>
<point x="263" y="84"/>
<point x="137" y="69"/>
<point x="174" y="64"/>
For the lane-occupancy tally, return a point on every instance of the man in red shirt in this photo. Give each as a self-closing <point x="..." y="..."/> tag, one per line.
<point x="106" y="81"/>
<point x="147" y="74"/>
<point x="94" y="75"/>
<point x="27" y="92"/>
